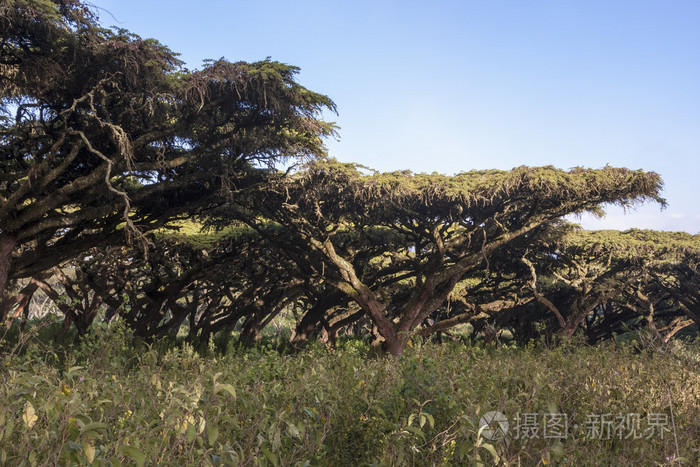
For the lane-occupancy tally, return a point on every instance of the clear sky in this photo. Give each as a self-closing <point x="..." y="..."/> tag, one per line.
<point x="448" y="86"/>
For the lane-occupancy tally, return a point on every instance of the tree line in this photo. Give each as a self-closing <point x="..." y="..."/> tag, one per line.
<point x="112" y="153"/>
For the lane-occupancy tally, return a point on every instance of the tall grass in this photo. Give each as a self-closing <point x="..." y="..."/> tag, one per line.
<point x="113" y="400"/>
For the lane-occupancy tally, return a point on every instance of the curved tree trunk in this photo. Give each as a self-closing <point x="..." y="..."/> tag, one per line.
<point x="251" y="329"/>
<point x="311" y="320"/>
<point x="20" y="300"/>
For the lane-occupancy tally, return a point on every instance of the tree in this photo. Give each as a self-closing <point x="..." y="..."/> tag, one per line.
<point x="104" y="135"/>
<point x="583" y="270"/>
<point x="207" y="282"/>
<point x="608" y="281"/>
<point x="674" y="275"/>
<point x="398" y="243"/>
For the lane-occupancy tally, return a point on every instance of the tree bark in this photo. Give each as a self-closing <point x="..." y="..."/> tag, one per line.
<point x="21" y="300"/>
<point x="250" y="331"/>
<point x="309" y="323"/>
<point x="541" y="298"/>
<point x="7" y="244"/>
<point x="395" y="344"/>
<point x="306" y="327"/>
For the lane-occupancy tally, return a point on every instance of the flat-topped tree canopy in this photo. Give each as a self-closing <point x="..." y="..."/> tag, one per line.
<point x="105" y="134"/>
<point x="468" y="198"/>
<point x="632" y="243"/>
<point x="397" y="243"/>
<point x="574" y="274"/>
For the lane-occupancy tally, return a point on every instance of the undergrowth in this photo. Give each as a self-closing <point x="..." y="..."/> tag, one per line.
<point x="113" y="400"/>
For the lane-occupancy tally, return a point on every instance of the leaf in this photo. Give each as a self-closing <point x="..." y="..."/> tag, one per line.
<point x="212" y="434"/>
<point x="191" y="432"/>
<point x="479" y="437"/>
<point x="557" y="450"/>
<point x="50" y="404"/>
<point x="155" y="381"/>
<point x="271" y="457"/>
<point x="220" y="387"/>
<point x="94" y="427"/>
<point x="292" y="430"/>
<point x="82" y="418"/>
<point x="29" y="415"/>
<point x="72" y="446"/>
<point x="492" y="450"/>
<point x="89" y="450"/>
<point x="8" y="428"/>
<point x="73" y="369"/>
<point x="276" y="441"/>
<point x="135" y="453"/>
<point x="415" y="431"/>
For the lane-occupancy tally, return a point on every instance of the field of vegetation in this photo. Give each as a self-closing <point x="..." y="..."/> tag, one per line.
<point x="170" y="296"/>
<point x="113" y="400"/>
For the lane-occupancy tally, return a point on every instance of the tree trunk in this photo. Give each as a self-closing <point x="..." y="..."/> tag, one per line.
<point x="395" y="344"/>
<point x="328" y="336"/>
<point x="309" y="323"/>
<point x="7" y="244"/>
<point x="678" y="324"/>
<point x="570" y="329"/>
<point x="63" y="331"/>
<point x="20" y="300"/>
<point x="650" y="321"/>
<point x="691" y="312"/>
<point x="305" y="328"/>
<point x="250" y="332"/>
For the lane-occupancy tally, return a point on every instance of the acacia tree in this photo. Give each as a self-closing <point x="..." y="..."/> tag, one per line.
<point x="208" y="282"/>
<point x="490" y="296"/>
<point x="677" y="274"/>
<point x="104" y="134"/>
<point x="582" y="271"/>
<point x="398" y="243"/>
<point x="605" y="280"/>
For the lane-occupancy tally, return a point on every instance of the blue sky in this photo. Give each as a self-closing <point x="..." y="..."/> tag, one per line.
<point x="449" y="86"/>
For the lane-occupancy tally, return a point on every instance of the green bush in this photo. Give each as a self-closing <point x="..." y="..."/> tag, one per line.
<point x="114" y="400"/>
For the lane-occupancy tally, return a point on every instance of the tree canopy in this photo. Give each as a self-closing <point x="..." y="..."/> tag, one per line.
<point x="104" y="134"/>
<point x="115" y="159"/>
<point x="397" y="243"/>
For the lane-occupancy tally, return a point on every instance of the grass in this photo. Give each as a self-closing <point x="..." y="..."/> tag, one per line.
<point x="113" y="400"/>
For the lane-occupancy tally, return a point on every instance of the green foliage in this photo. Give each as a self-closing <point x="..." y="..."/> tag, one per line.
<point x="266" y="407"/>
<point x="633" y="243"/>
<point x="105" y="135"/>
<point x="400" y="245"/>
<point x="200" y="237"/>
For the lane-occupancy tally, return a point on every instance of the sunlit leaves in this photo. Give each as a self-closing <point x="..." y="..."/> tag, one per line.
<point x="29" y="416"/>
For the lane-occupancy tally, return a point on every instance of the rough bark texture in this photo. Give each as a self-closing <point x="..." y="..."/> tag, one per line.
<point x="20" y="302"/>
<point x="7" y="244"/>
